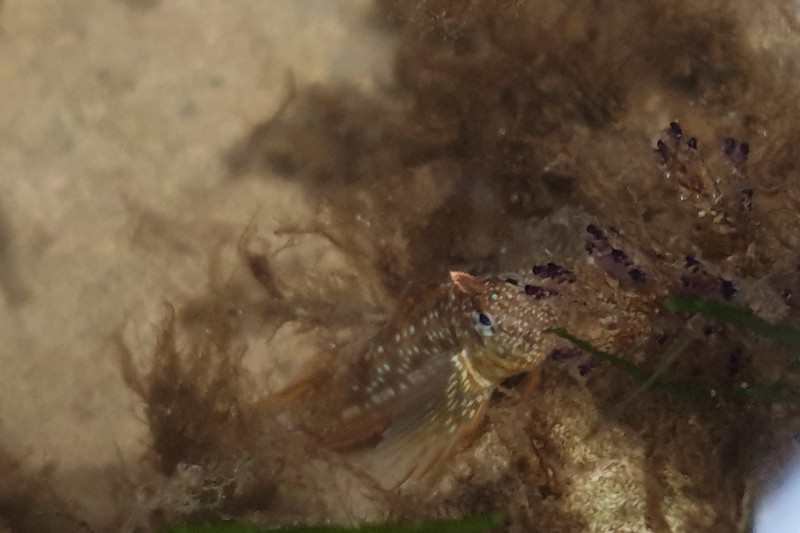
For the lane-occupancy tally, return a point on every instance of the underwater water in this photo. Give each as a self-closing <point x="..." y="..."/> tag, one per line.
<point x="201" y="206"/>
<point x="777" y="511"/>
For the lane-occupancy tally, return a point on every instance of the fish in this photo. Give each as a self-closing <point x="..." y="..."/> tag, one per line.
<point x="429" y="373"/>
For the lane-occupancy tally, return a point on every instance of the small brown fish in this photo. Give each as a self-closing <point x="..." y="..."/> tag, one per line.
<point x="436" y="365"/>
<point x="432" y="368"/>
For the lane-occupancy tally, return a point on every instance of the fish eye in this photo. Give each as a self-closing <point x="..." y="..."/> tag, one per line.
<point x="483" y="323"/>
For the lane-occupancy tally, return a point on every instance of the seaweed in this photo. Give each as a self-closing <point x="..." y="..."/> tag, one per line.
<point x="742" y="318"/>
<point x="472" y="524"/>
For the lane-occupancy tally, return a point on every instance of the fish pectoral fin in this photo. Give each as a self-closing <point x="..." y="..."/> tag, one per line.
<point x="440" y="445"/>
<point x="362" y="431"/>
